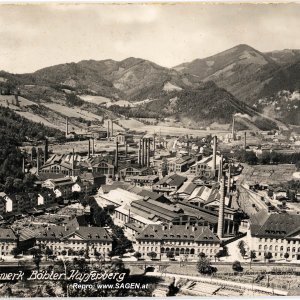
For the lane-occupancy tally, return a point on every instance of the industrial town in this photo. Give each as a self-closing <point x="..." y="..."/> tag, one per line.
<point x="160" y="204"/>
<point x="173" y="174"/>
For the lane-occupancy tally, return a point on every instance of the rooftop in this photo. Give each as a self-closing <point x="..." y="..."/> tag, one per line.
<point x="178" y="232"/>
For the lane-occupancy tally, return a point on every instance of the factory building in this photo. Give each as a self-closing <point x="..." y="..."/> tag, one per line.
<point x="183" y="241"/>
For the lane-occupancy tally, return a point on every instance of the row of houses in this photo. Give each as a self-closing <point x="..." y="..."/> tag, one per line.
<point x="71" y="239"/>
<point x="12" y="204"/>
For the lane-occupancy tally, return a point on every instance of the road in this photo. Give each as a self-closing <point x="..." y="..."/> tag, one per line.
<point x="158" y="262"/>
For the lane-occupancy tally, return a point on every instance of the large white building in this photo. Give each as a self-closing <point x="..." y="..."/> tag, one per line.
<point x="181" y="240"/>
<point x="74" y="240"/>
<point x="275" y="233"/>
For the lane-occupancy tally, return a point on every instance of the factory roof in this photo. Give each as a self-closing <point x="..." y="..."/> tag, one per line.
<point x="178" y="232"/>
<point x="150" y="194"/>
<point x="208" y="160"/>
<point x="64" y="232"/>
<point x="172" y="180"/>
<point x="118" y="197"/>
<point x="62" y="181"/>
<point x="7" y="234"/>
<point x="142" y="218"/>
<point x="277" y="226"/>
<point x="135" y="227"/>
<point x="155" y="208"/>
<point x="187" y="188"/>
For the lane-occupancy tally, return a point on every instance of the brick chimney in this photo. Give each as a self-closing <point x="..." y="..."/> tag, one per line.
<point x="140" y="153"/>
<point x="148" y="153"/>
<point x="214" y="152"/>
<point x="89" y="149"/>
<point x="67" y="126"/>
<point x="220" y="173"/>
<point x="229" y="180"/>
<point x="220" y="230"/>
<point x="108" y="130"/>
<point x="46" y="150"/>
<point x="117" y="155"/>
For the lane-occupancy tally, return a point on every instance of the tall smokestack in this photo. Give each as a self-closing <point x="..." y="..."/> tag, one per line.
<point x="154" y="144"/>
<point x="143" y="152"/>
<point x="220" y="168"/>
<point x="93" y="146"/>
<point x="245" y="140"/>
<point x="148" y="153"/>
<point x="233" y="132"/>
<point x="73" y="159"/>
<point x="229" y="180"/>
<point x="37" y="161"/>
<point x="140" y="153"/>
<point x="46" y="150"/>
<point x="220" y="231"/>
<point x="23" y="164"/>
<point x="112" y="128"/>
<point x="67" y="126"/>
<point x="108" y="130"/>
<point x="126" y="149"/>
<point x="89" y="149"/>
<point x="214" y="152"/>
<point x="117" y="155"/>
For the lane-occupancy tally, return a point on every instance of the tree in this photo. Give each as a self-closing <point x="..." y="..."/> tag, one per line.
<point x="64" y="252"/>
<point x="97" y="254"/>
<point x="218" y="255"/>
<point x="204" y="266"/>
<point x="286" y="256"/>
<point x="201" y="254"/>
<point x="37" y="260"/>
<point x="241" y="246"/>
<point x="35" y="252"/>
<point x="236" y="266"/>
<point x="170" y="255"/>
<point x="252" y="256"/>
<point x="268" y="255"/>
<point x="152" y="255"/>
<point x="110" y="254"/>
<point x="137" y="255"/>
<point x="48" y="252"/>
<point x="15" y="251"/>
<point x="81" y="264"/>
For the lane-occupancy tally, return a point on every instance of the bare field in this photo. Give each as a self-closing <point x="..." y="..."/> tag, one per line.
<point x="82" y="146"/>
<point x="73" y="112"/>
<point x="103" y="101"/>
<point x="10" y="100"/>
<point x="178" y="131"/>
<point x="270" y="174"/>
<point x="99" y="100"/>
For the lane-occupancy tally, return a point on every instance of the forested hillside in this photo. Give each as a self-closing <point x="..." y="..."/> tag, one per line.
<point x="14" y="130"/>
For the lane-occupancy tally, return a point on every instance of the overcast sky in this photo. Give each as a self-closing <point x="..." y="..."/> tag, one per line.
<point x="36" y="36"/>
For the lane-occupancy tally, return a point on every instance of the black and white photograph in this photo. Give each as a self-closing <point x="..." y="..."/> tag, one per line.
<point x="149" y="149"/>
